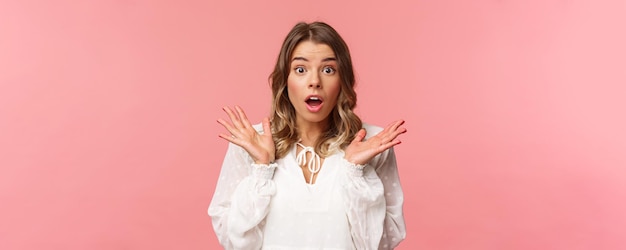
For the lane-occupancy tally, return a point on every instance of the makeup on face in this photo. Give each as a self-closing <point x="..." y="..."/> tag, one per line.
<point x="313" y="83"/>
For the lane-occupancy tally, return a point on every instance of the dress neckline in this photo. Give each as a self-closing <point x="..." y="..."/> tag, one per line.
<point x="321" y="172"/>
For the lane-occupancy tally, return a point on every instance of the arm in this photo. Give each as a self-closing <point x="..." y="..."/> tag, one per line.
<point x="373" y="194"/>
<point x="374" y="203"/>
<point x="241" y="200"/>
<point x="245" y="187"/>
<point x="394" y="229"/>
<point x="365" y="205"/>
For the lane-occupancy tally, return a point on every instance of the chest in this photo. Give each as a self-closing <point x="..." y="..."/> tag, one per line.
<point x="294" y="193"/>
<point x="310" y="215"/>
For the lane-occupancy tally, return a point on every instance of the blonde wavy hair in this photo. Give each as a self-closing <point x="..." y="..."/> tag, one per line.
<point x="343" y="123"/>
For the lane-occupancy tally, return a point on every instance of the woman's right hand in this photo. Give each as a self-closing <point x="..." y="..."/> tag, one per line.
<point x="260" y="146"/>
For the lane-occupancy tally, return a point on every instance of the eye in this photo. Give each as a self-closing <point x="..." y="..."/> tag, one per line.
<point x="299" y="70"/>
<point x="328" y="70"/>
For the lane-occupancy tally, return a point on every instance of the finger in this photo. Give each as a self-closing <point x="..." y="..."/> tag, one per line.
<point x="390" y="128"/>
<point x="359" y="136"/>
<point x="400" y="131"/>
<point x="233" y="117"/>
<point x="400" y="123"/>
<point x="392" y="131"/>
<point x="225" y="124"/>
<point x="233" y="131"/>
<point x="395" y="133"/>
<point x="393" y="138"/>
<point x="243" y="117"/>
<point x="267" y="130"/>
<point x="395" y="125"/>
<point x="230" y="138"/>
<point x="388" y="145"/>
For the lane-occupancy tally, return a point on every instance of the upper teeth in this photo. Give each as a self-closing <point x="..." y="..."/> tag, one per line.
<point x="314" y="98"/>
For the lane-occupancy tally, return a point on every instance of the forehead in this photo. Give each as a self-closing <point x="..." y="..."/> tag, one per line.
<point x="312" y="51"/>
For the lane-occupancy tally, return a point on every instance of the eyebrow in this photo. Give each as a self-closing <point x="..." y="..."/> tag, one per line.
<point x="306" y="60"/>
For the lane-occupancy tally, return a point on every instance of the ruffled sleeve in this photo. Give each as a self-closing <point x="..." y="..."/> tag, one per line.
<point x="241" y="200"/>
<point x="374" y="199"/>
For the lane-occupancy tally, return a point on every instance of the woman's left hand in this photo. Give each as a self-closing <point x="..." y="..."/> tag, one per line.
<point x="360" y="152"/>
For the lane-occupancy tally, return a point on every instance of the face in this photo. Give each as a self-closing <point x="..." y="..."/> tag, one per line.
<point x="313" y="84"/>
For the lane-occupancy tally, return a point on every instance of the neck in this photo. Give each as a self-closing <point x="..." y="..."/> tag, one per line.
<point x="309" y="132"/>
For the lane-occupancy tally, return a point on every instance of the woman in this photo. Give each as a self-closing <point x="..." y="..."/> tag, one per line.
<point x="313" y="176"/>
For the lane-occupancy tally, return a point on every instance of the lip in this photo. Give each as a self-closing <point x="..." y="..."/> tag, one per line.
<point x="318" y="97"/>
<point x="314" y="109"/>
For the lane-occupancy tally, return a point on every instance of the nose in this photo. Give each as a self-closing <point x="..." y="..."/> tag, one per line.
<point x="314" y="81"/>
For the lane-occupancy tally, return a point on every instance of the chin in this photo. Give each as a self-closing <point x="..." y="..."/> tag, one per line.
<point x="315" y="117"/>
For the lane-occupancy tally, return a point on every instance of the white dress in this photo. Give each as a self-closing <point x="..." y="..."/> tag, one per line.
<point x="272" y="207"/>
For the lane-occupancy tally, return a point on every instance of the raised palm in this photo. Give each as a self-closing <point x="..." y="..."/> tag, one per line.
<point x="361" y="152"/>
<point x="260" y="146"/>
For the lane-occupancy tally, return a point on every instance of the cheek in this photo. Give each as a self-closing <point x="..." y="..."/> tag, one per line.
<point x="334" y="89"/>
<point x="293" y="82"/>
<point x="291" y="89"/>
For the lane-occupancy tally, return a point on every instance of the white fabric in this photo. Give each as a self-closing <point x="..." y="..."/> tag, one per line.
<point x="272" y="207"/>
<point x="314" y="163"/>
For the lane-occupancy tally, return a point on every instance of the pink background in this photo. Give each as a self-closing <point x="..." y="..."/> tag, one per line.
<point x="515" y="113"/>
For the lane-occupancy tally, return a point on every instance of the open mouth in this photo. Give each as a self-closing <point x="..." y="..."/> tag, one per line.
<point x="314" y="103"/>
